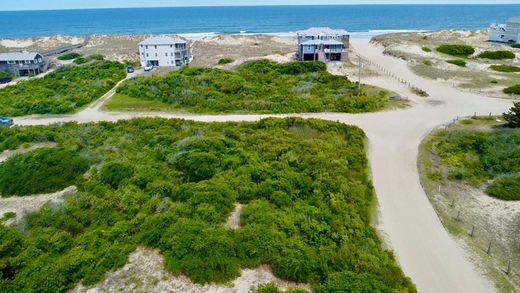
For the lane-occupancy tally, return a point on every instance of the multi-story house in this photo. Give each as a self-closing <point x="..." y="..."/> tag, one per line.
<point x="164" y="52"/>
<point x="323" y="44"/>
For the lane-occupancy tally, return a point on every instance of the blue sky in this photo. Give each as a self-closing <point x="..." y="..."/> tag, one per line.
<point x="75" y="4"/>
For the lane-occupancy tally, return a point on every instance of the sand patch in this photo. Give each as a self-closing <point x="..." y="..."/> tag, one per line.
<point x="21" y="43"/>
<point x="233" y="221"/>
<point x="23" y="204"/>
<point x="145" y="272"/>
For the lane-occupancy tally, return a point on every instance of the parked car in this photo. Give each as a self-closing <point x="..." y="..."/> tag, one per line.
<point x="129" y="69"/>
<point x="148" y="68"/>
<point x="4" y="121"/>
<point x="4" y="80"/>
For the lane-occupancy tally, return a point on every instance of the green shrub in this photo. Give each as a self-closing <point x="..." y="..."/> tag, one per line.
<point x="426" y="49"/>
<point x="225" y="61"/>
<point x="457" y="62"/>
<point x="257" y="86"/>
<point x="516" y="46"/>
<point x="80" y="60"/>
<point x="515" y="90"/>
<point x="505" y="68"/>
<point x="8" y="216"/>
<point x="66" y="89"/>
<point x="456" y="50"/>
<point x="506" y="188"/>
<point x="513" y="116"/>
<point x="69" y="56"/>
<point x="497" y="55"/>
<point x="427" y="62"/>
<point x="304" y="185"/>
<point x="41" y="171"/>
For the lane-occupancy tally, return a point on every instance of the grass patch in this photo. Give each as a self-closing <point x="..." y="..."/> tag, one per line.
<point x="69" y="56"/>
<point x="83" y="60"/>
<point x="505" y="68"/>
<point x="427" y="62"/>
<point x="225" y="61"/>
<point x="43" y="170"/>
<point x="458" y="62"/>
<point x="426" y="49"/>
<point x="515" y="90"/>
<point x="172" y="184"/>
<point x="456" y="50"/>
<point x="255" y="87"/>
<point x="497" y="55"/>
<point x="65" y="90"/>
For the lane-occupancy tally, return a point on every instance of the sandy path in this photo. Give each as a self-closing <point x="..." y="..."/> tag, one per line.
<point x="423" y="247"/>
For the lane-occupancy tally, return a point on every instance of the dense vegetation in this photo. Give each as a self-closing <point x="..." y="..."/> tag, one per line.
<point x="225" y="61"/>
<point x="513" y="115"/>
<point x="456" y="50"/>
<point x="497" y="55"/>
<point x="457" y="62"/>
<point x="257" y="86"/>
<point x="62" y="91"/>
<point x="505" y="68"/>
<point x="479" y="157"/>
<point x="516" y="46"/>
<point x="41" y="171"/>
<point x="506" y="188"/>
<point x="514" y="89"/>
<point x="69" y="56"/>
<point x="171" y="184"/>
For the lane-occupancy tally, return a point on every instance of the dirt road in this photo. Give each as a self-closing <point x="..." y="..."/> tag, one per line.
<point x="408" y="222"/>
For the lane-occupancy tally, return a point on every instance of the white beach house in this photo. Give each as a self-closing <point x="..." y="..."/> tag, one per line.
<point x="506" y="33"/>
<point x="323" y="44"/>
<point x="164" y="52"/>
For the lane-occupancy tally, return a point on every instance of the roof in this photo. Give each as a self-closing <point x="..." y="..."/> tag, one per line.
<point x="322" y="42"/>
<point x="514" y="19"/>
<point x="323" y="31"/>
<point x="17" y="56"/>
<point x="162" y="41"/>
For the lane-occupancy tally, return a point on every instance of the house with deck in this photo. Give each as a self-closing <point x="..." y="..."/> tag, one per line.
<point x="22" y="63"/>
<point x="323" y="44"/>
<point x="506" y="33"/>
<point x="164" y="52"/>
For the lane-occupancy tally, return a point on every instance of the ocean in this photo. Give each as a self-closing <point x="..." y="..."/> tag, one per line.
<point x="360" y="19"/>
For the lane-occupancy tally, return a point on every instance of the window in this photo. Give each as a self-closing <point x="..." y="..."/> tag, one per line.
<point x="166" y="54"/>
<point x="146" y="54"/>
<point x="155" y="54"/>
<point x="171" y="46"/>
<point x="146" y="46"/>
<point x="171" y="54"/>
<point x="155" y="46"/>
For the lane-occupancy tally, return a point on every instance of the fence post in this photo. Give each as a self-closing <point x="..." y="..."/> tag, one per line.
<point x="489" y="248"/>
<point x="472" y="231"/>
<point x="458" y="217"/>
<point x="509" y="264"/>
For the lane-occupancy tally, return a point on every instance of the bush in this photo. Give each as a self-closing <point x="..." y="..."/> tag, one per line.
<point x="456" y="50"/>
<point x="506" y="188"/>
<point x="257" y="86"/>
<point x="497" y="55"/>
<point x="505" y="68"/>
<point x="513" y="116"/>
<point x="426" y="49"/>
<point x="515" y="90"/>
<point x="66" y="89"/>
<point x="516" y="46"/>
<point x="457" y="62"/>
<point x="225" y="61"/>
<point x="41" y="171"/>
<point x="304" y="185"/>
<point x="427" y="62"/>
<point x="69" y="56"/>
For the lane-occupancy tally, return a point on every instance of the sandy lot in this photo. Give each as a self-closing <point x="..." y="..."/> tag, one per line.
<point x="476" y="77"/>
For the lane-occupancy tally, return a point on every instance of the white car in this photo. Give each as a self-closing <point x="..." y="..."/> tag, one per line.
<point x="148" y="68"/>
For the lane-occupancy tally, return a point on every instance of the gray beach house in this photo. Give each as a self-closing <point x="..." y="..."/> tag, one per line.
<point x="323" y="44"/>
<point x="164" y="52"/>
<point x="22" y="63"/>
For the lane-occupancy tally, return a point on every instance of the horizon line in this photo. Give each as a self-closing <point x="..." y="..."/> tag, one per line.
<point x="259" y="5"/>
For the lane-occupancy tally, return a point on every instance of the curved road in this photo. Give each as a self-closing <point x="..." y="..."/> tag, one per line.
<point x="424" y="249"/>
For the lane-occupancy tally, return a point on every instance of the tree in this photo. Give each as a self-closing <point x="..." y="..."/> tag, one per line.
<point x="513" y="116"/>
